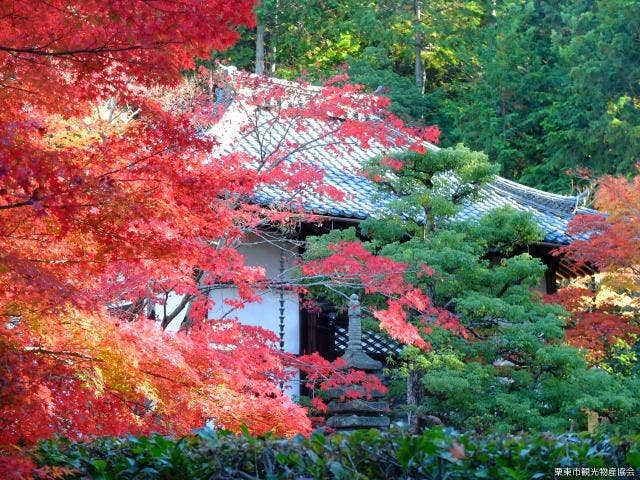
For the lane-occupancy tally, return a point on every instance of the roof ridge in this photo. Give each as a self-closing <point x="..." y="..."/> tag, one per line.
<point x="515" y="184"/>
<point x="534" y="190"/>
<point x="232" y="70"/>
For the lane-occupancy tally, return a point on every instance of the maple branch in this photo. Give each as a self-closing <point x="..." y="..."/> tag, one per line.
<point x="19" y="89"/>
<point x="45" y="351"/>
<point x="129" y="404"/>
<point x="281" y="141"/>
<point x="183" y="303"/>
<point x="169" y="379"/>
<point x="139" y="160"/>
<point x="17" y="205"/>
<point x="93" y="51"/>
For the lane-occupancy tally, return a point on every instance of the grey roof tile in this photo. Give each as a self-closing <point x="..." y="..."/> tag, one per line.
<point x="342" y="164"/>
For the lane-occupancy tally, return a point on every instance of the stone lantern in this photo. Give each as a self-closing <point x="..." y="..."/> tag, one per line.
<point x="357" y="413"/>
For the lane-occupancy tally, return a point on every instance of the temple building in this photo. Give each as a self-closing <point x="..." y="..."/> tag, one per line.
<point x="280" y="309"/>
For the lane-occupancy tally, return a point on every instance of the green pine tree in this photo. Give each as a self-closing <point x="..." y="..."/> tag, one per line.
<point x="513" y="372"/>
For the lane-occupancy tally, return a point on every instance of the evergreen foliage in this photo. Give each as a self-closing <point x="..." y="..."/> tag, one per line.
<point x="513" y="370"/>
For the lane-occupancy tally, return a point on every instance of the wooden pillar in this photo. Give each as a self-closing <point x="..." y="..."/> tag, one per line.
<point x="550" y="273"/>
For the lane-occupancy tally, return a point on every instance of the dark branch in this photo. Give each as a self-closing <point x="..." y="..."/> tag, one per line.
<point x="16" y="205"/>
<point x="88" y="51"/>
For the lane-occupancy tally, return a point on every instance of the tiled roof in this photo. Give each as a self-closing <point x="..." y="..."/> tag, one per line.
<point x="342" y="165"/>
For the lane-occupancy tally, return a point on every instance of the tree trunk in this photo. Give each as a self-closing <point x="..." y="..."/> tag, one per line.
<point x="272" y="41"/>
<point x="272" y="60"/>
<point x="419" y="66"/>
<point x="415" y="395"/>
<point x="260" y="49"/>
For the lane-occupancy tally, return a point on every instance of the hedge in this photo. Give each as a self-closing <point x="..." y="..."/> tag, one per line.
<point x="371" y="454"/>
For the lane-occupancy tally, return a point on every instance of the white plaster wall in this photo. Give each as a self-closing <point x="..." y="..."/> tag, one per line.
<point x="265" y="252"/>
<point x="265" y="313"/>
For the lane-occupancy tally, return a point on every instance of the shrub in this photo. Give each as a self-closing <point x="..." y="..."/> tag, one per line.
<point x="367" y="454"/>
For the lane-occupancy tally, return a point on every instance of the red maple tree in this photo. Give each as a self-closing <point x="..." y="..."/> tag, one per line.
<point x="351" y="265"/>
<point x="605" y="310"/>
<point x="610" y="240"/>
<point x="597" y="322"/>
<point x="109" y="201"/>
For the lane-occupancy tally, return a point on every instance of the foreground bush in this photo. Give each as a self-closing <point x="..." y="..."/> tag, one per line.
<point x="436" y="454"/>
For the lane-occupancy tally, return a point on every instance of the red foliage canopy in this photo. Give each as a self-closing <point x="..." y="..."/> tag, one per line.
<point x="611" y="242"/>
<point x="594" y="325"/>
<point x="102" y="204"/>
<point x="107" y="197"/>
<point x="351" y="265"/>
